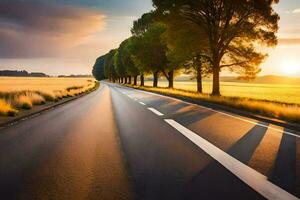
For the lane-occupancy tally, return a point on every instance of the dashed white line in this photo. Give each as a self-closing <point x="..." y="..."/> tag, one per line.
<point x="142" y="103"/>
<point x="155" y="111"/>
<point x="248" y="175"/>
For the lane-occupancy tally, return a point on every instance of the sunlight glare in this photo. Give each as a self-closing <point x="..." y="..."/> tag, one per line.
<point x="291" y="68"/>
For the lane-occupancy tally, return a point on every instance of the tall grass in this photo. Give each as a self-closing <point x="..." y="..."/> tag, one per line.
<point x="13" y="101"/>
<point x="271" y="92"/>
<point x="273" y="109"/>
<point x="6" y="109"/>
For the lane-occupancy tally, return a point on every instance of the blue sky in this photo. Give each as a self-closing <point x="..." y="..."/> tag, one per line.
<point x="66" y="36"/>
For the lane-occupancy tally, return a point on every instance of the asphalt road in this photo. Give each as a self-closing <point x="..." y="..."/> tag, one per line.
<point x="120" y="143"/>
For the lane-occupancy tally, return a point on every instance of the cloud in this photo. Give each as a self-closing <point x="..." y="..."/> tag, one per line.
<point x="30" y="29"/>
<point x="289" y="41"/>
<point x="296" y="11"/>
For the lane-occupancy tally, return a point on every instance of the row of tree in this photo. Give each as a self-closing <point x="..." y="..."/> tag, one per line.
<point x="22" y="73"/>
<point x="202" y="37"/>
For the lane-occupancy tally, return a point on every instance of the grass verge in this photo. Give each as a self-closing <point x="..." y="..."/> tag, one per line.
<point x="12" y="102"/>
<point x="282" y="111"/>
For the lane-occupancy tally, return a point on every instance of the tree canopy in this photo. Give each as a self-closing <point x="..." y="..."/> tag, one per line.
<point x="203" y="36"/>
<point x="232" y="29"/>
<point x="109" y="66"/>
<point x="98" y="68"/>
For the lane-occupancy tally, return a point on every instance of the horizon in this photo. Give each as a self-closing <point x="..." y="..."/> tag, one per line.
<point x="101" y="26"/>
<point x="181" y="75"/>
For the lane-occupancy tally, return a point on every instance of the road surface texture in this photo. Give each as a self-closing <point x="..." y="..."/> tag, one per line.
<point x="121" y="143"/>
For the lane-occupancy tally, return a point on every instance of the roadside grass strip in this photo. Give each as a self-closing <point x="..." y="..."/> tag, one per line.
<point x="248" y="175"/>
<point x="155" y="111"/>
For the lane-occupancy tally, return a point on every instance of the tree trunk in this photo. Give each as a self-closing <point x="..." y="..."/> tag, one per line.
<point x="171" y="79"/>
<point x="142" y="80"/>
<point x="125" y="80"/>
<point x="135" y="80"/>
<point x="129" y="79"/>
<point x="155" y="79"/>
<point x="216" y="81"/>
<point x="199" y="80"/>
<point x="122" y="80"/>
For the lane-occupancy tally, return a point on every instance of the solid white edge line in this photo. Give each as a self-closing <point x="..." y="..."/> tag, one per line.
<point x="223" y="113"/>
<point x="142" y="103"/>
<point x="155" y="111"/>
<point x="248" y="175"/>
<point x="257" y="123"/>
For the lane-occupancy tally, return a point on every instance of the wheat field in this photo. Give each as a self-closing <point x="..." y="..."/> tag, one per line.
<point x="17" y="93"/>
<point x="271" y="92"/>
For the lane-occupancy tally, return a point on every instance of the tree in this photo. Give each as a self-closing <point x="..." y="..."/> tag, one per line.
<point x="127" y="60"/>
<point x="119" y="67"/>
<point x="109" y="66"/>
<point x="147" y="28"/>
<point x="149" y="52"/>
<point x="233" y="28"/>
<point x="185" y="47"/>
<point x="98" y="68"/>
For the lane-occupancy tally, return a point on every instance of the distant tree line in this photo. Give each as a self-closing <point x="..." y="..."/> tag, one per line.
<point x="75" y="76"/>
<point x="202" y="37"/>
<point x="21" y="73"/>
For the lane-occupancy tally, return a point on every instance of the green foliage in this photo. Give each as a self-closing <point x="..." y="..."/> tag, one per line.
<point x="206" y="36"/>
<point x="148" y="50"/>
<point x="127" y="59"/>
<point x="98" y="68"/>
<point x="109" y="65"/>
<point x="118" y="64"/>
<point x="141" y="25"/>
<point x="232" y="29"/>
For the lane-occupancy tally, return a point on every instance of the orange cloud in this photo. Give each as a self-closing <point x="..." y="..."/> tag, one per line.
<point x="289" y="41"/>
<point x="31" y="29"/>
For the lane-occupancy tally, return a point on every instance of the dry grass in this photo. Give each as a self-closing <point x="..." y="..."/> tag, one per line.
<point x="24" y="93"/>
<point x="6" y="109"/>
<point x="283" y="111"/>
<point x="272" y="92"/>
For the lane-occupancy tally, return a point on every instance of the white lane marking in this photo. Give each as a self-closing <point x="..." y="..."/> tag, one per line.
<point x="156" y="111"/>
<point x="248" y="175"/>
<point x="178" y="100"/>
<point x="135" y="99"/>
<point x="223" y="113"/>
<point x="257" y="123"/>
<point x="142" y="103"/>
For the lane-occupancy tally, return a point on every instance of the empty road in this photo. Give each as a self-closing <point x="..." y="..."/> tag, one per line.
<point x="121" y="143"/>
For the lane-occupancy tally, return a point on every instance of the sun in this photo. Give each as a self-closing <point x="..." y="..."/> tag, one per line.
<point x="291" y="68"/>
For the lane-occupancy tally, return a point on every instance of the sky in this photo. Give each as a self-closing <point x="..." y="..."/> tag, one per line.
<point x="66" y="36"/>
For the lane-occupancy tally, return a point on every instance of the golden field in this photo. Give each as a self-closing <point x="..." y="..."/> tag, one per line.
<point x="18" y="93"/>
<point x="271" y="92"/>
<point x="275" y="101"/>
